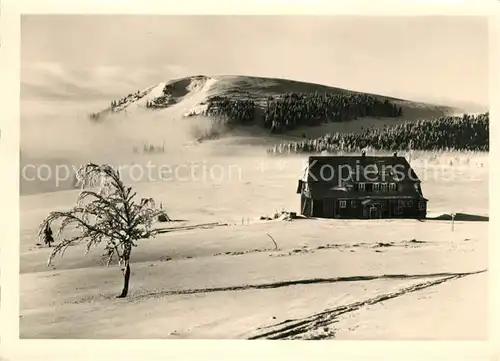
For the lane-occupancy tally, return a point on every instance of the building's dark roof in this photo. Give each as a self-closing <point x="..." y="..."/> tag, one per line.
<point x="354" y="169"/>
<point x="358" y="169"/>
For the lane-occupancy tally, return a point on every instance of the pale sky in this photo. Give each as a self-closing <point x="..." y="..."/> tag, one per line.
<point x="420" y="58"/>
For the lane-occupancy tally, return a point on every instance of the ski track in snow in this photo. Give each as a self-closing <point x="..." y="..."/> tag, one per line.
<point x="318" y="326"/>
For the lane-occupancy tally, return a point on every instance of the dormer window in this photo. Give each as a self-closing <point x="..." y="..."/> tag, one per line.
<point x="372" y="170"/>
<point x="388" y="173"/>
<point x="361" y="187"/>
<point x="376" y="186"/>
<point x="383" y="187"/>
<point x="392" y="186"/>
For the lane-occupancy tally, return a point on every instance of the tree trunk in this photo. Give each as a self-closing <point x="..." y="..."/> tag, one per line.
<point x="126" y="279"/>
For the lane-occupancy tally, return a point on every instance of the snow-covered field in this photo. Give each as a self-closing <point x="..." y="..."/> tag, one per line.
<point x="180" y="280"/>
<point x="328" y="279"/>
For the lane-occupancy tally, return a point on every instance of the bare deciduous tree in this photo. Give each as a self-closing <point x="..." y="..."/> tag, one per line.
<point x="108" y="215"/>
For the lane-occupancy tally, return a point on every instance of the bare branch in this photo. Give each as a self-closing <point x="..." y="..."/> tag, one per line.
<point x="61" y="247"/>
<point x="272" y="239"/>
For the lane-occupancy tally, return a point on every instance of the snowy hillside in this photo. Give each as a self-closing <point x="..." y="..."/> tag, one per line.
<point x="191" y="94"/>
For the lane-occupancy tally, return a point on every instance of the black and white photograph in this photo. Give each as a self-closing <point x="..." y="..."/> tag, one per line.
<point x="254" y="177"/>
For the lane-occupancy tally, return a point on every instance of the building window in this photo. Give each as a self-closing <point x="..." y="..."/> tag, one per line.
<point x="410" y="203"/>
<point x="383" y="187"/>
<point x="353" y="204"/>
<point x="343" y="204"/>
<point x="375" y="186"/>
<point x="392" y="186"/>
<point x="421" y="205"/>
<point x="361" y="187"/>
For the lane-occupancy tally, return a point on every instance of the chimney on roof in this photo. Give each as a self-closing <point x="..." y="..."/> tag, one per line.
<point x="363" y="153"/>
<point x="395" y="154"/>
